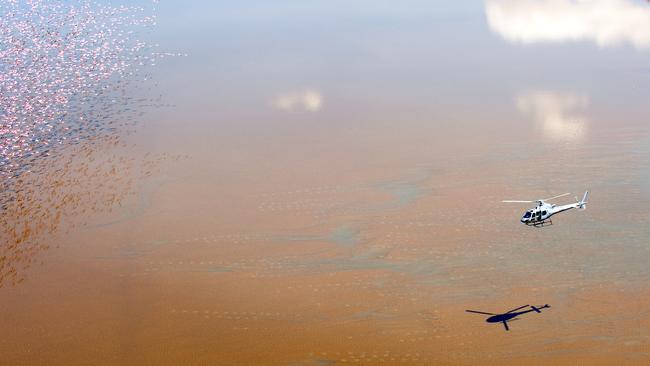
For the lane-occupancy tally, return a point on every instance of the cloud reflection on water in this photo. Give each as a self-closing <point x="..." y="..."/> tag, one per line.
<point x="558" y="114"/>
<point x="605" y="22"/>
<point x="308" y="100"/>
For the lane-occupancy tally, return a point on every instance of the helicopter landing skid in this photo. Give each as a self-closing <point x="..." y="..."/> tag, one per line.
<point x="543" y="223"/>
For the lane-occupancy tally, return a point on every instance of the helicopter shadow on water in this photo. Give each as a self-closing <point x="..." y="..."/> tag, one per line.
<point x="510" y="315"/>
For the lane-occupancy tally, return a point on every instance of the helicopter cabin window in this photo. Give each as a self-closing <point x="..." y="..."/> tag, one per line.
<point x="527" y="214"/>
<point x="543" y="213"/>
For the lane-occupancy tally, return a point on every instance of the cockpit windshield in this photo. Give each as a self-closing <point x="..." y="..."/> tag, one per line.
<point x="527" y="215"/>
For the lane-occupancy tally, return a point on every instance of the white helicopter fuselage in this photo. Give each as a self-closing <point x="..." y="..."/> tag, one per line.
<point x="544" y="211"/>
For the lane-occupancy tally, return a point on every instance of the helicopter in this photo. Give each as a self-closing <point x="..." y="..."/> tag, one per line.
<point x="541" y="215"/>
<point x="509" y="316"/>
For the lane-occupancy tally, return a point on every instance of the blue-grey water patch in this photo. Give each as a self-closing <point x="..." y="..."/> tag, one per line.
<point x="345" y="235"/>
<point x="217" y="269"/>
<point x="132" y="251"/>
<point x="314" y="362"/>
<point x="404" y="193"/>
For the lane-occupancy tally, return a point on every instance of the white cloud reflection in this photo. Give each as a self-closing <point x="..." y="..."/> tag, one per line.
<point x="605" y="22"/>
<point x="559" y="115"/>
<point x="308" y="100"/>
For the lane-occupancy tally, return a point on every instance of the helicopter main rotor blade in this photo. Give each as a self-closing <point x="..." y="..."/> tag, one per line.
<point x="552" y="198"/>
<point x="521" y="307"/>
<point x="514" y="201"/>
<point x="479" y="312"/>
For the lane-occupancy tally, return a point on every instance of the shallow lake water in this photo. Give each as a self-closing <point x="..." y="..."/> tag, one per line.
<point x="320" y="183"/>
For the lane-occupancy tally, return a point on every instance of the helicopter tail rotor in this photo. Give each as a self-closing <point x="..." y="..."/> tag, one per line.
<point x="539" y="309"/>
<point x="536" y="309"/>
<point x="583" y="204"/>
